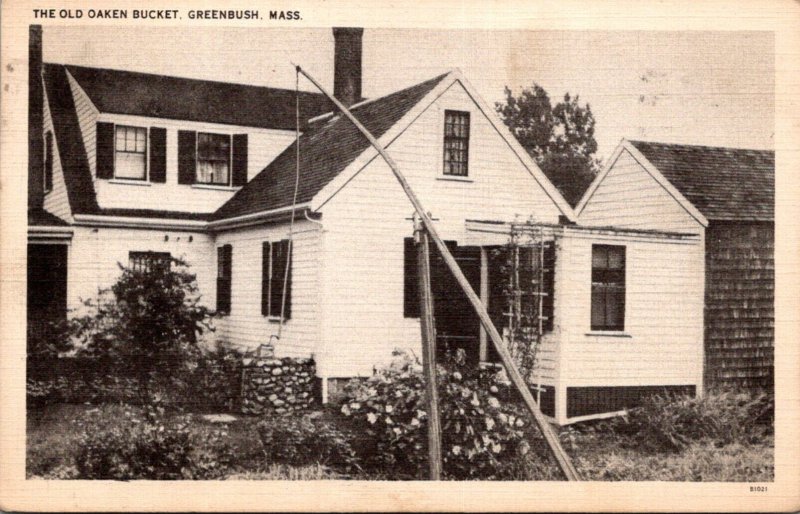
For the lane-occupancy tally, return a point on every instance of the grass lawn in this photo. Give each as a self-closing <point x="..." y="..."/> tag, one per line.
<point x="53" y="433"/>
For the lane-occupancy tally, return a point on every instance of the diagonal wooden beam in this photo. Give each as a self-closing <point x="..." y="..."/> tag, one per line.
<point x="563" y="460"/>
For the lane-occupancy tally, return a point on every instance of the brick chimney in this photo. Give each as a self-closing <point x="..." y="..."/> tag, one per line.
<point x="347" y="64"/>
<point x="35" y="119"/>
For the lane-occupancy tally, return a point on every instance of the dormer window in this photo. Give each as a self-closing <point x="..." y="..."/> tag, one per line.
<point x="213" y="159"/>
<point x="130" y="153"/>
<point x="456" y="143"/>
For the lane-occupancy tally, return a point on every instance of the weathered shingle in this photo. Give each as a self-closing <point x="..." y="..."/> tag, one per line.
<point x="722" y="183"/>
<point x="159" y="96"/>
<point x="326" y="149"/>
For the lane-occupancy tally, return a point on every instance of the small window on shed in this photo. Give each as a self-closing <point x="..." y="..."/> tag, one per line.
<point x="608" y="287"/>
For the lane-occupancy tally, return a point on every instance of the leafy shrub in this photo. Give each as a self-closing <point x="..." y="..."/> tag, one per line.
<point x="482" y="438"/>
<point x="151" y="447"/>
<point x="671" y="423"/>
<point x="304" y="441"/>
<point x="214" y="383"/>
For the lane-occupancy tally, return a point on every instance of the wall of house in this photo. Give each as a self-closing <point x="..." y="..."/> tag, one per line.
<point x="661" y="344"/>
<point x="366" y="221"/>
<point x="95" y="254"/>
<point x="740" y="305"/>
<point x="263" y="146"/>
<point x="245" y="327"/>
<point x="630" y="197"/>
<point x="56" y="200"/>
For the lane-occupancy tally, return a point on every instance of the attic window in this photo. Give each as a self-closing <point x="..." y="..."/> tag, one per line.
<point x="456" y="143"/>
<point x="213" y="159"/>
<point x="130" y="153"/>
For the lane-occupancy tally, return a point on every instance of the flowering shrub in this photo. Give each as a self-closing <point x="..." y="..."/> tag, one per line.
<point x="303" y="441"/>
<point x="482" y="438"/>
<point x="150" y="447"/>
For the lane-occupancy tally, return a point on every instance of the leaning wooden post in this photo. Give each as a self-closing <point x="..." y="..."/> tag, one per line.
<point x="563" y="460"/>
<point x="429" y="351"/>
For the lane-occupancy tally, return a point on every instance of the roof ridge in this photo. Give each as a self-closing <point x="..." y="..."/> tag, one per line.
<point x="634" y="141"/>
<point x="179" y="77"/>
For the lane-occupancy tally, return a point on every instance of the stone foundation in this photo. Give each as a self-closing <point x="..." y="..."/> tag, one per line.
<point x="277" y="385"/>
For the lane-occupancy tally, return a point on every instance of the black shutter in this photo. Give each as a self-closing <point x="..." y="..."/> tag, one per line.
<point x="187" y="156"/>
<point x="410" y="279"/>
<point x="549" y="286"/>
<point x="105" y="150"/>
<point x="266" y="252"/>
<point x="224" y="273"/>
<point x="280" y="260"/>
<point x="239" y="159"/>
<point x="48" y="162"/>
<point x="158" y="154"/>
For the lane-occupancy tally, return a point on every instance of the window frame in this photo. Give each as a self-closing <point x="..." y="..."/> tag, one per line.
<point x="146" y="177"/>
<point x="606" y="286"/>
<point x="148" y="258"/>
<point x="197" y="159"/>
<point x="267" y="280"/>
<point x="447" y="138"/>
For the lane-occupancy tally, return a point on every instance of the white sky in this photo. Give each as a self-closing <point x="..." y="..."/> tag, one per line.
<point x="713" y="88"/>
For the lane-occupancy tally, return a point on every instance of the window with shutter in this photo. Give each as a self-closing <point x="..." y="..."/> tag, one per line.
<point x="276" y="271"/>
<point x="213" y="159"/>
<point x="48" y="161"/>
<point x="608" y="287"/>
<point x="130" y="153"/>
<point x="224" y="275"/>
<point x="158" y="154"/>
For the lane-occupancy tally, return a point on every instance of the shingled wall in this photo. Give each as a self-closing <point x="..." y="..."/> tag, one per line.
<point x="740" y="305"/>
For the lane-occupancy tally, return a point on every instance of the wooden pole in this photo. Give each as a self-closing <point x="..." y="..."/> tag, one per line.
<point x="429" y="354"/>
<point x="563" y="460"/>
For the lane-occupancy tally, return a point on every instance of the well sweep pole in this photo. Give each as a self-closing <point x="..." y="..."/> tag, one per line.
<point x="563" y="460"/>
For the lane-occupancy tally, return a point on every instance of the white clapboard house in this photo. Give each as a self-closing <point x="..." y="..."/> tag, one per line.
<point x="129" y="167"/>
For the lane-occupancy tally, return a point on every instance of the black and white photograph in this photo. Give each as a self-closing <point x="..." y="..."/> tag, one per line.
<point x="358" y="253"/>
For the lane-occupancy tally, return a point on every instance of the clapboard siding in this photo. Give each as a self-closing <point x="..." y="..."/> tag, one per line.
<point x="96" y="252"/>
<point x="662" y="339"/>
<point x="87" y="120"/>
<point x="366" y="222"/>
<point x="56" y="201"/>
<point x="740" y="305"/>
<point x="245" y="326"/>
<point x="630" y="197"/>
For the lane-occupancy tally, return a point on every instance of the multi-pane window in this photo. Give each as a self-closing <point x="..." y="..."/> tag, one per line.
<point x="224" y="276"/>
<point x="456" y="143"/>
<point x="130" y="150"/>
<point x="276" y="272"/>
<point x="148" y="261"/>
<point x="608" y="287"/>
<point x="213" y="159"/>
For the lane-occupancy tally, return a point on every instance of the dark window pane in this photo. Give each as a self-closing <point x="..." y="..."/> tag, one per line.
<point x="608" y="287"/>
<point x="456" y="143"/>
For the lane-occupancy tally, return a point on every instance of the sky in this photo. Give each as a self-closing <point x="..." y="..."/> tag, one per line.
<point x="694" y="87"/>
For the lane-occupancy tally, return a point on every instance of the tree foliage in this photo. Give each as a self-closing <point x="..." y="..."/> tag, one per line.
<point x="146" y="325"/>
<point x="559" y="137"/>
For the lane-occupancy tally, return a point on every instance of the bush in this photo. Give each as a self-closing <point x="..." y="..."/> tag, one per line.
<point x="304" y="441"/>
<point x="482" y="438"/>
<point x="671" y="423"/>
<point x="151" y="447"/>
<point x="214" y="383"/>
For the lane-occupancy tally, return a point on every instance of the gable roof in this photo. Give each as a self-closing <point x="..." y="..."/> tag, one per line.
<point x="722" y="183"/>
<point x="71" y="151"/>
<point x="328" y="146"/>
<point x="159" y="96"/>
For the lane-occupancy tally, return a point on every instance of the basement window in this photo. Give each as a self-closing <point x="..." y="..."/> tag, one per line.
<point x="148" y="261"/>
<point x="456" y="143"/>
<point x="608" y="287"/>
<point x="130" y="153"/>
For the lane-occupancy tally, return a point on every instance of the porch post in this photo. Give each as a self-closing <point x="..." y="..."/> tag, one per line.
<point x="482" y="348"/>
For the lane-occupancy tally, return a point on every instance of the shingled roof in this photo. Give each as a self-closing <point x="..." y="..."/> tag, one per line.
<point x="159" y="96"/>
<point x="326" y="149"/>
<point x="722" y="183"/>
